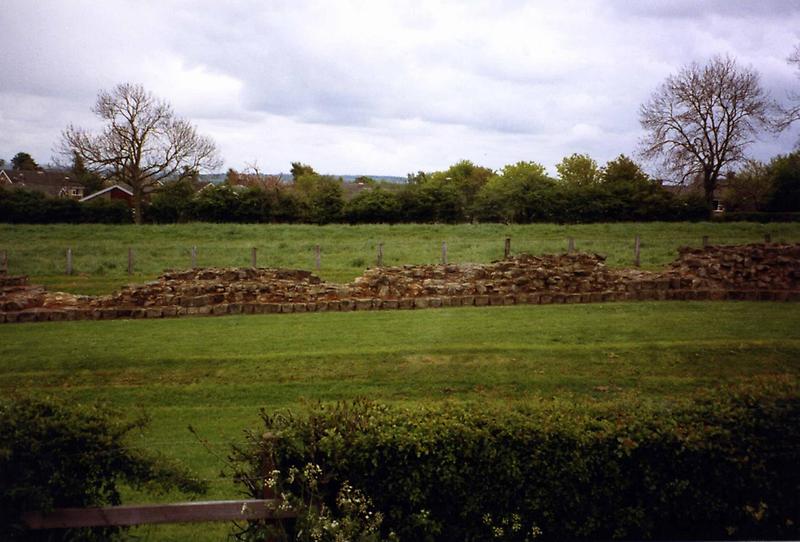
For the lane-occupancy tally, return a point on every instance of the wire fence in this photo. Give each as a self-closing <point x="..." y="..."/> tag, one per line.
<point x="342" y="260"/>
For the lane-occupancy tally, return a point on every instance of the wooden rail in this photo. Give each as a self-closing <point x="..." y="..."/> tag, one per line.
<point x="187" y="512"/>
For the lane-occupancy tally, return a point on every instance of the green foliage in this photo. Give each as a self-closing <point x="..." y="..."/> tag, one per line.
<point x="623" y="170"/>
<point x="578" y="170"/>
<point x="299" y="170"/>
<point x="373" y="206"/>
<point x="320" y="197"/>
<point x="101" y="211"/>
<point x="173" y="202"/>
<point x="28" y="207"/>
<point x="521" y="193"/>
<point x="348" y="517"/>
<point x="467" y="179"/>
<point x="91" y="181"/>
<point x="216" y="203"/>
<point x="749" y="189"/>
<point x="432" y="202"/>
<point x="723" y="466"/>
<point x="56" y="455"/>
<point x="24" y="161"/>
<point x="785" y="174"/>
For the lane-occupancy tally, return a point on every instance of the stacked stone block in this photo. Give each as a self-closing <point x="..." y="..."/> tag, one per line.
<point x="747" y="272"/>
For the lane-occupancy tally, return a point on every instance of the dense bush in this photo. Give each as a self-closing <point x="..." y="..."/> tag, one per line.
<point x="105" y="212"/>
<point x="723" y="467"/>
<point x="19" y="206"/>
<point x="784" y="172"/>
<point x="54" y="455"/>
<point x="373" y="206"/>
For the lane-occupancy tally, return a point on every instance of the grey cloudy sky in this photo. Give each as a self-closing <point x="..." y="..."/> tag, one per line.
<point x="379" y="87"/>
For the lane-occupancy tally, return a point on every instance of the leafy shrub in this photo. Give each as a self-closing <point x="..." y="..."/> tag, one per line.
<point x="725" y="466"/>
<point x="20" y="206"/>
<point x="53" y="455"/>
<point x="173" y="202"/>
<point x="373" y="206"/>
<point x="105" y="212"/>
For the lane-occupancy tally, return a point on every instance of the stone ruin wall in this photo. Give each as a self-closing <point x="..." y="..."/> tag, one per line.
<point x="744" y="272"/>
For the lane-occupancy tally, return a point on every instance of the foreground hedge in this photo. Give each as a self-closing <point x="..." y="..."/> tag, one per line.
<point x="720" y="468"/>
<point x="54" y="455"/>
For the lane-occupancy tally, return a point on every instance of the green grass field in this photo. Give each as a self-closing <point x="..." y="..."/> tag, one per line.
<point x="100" y="252"/>
<point x="215" y="373"/>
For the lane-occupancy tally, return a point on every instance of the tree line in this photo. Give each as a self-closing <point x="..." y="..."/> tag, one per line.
<point x="698" y="126"/>
<point x="518" y="193"/>
<point x="465" y="192"/>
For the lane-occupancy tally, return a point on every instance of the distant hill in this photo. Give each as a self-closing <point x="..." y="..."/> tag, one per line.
<point x="218" y="178"/>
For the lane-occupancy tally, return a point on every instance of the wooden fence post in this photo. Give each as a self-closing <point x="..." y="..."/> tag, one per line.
<point x="194" y="257"/>
<point x="130" y="260"/>
<point x="69" y="261"/>
<point x="380" y="254"/>
<point x="570" y="245"/>
<point x="4" y="262"/>
<point x="317" y="257"/>
<point x="636" y="247"/>
<point x="507" y="248"/>
<point x="444" y="252"/>
<point x="705" y="241"/>
<point x="253" y="257"/>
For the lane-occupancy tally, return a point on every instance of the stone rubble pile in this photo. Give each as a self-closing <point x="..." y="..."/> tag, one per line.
<point x="758" y="266"/>
<point x="566" y="273"/>
<point x="202" y="287"/>
<point x="747" y="272"/>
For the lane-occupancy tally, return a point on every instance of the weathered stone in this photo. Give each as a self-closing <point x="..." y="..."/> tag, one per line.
<point x="57" y="316"/>
<point x="363" y="304"/>
<point x="28" y="315"/>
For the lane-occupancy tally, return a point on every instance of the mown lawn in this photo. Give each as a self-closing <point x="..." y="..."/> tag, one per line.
<point x="100" y="252"/>
<point x="215" y="373"/>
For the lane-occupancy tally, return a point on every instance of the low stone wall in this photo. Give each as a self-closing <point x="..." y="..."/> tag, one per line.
<point x="746" y="272"/>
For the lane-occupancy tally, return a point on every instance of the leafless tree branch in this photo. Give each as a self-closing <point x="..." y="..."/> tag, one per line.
<point x="142" y="142"/>
<point x="702" y="119"/>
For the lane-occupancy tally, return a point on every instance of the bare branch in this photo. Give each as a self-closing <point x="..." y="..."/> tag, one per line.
<point x="703" y="118"/>
<point x="142" y="142"/>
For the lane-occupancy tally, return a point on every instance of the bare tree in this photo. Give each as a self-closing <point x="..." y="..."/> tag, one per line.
<point x="701" y="120"/>
<point x="142" y="142"/>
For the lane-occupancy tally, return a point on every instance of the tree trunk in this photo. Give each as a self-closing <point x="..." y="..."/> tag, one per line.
<point x="137" y="205"/>
<point x="709" y="184"/>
